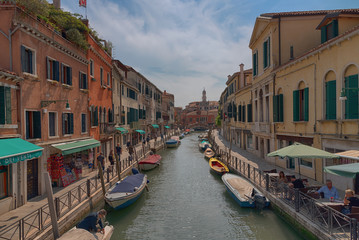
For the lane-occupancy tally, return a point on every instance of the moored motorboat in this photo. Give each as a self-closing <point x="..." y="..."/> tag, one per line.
<point x="204" y="145"/>
<point x="172" y="143"/>
<point x="218" y="166"/>
<point x="82" y="234"/>
<point x="126" y="191"/>
<point x="150" y="162"/>
<point x="209" y="153"/>
<point x="244" y="192"/>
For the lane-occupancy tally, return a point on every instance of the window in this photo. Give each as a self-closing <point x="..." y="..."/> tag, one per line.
<point x="108" y="79"/>
<point x="352" y="103"/>
<point x="255" y="63"/>
<point x="278" y="108"/>
<point x="83" y="123"/>
<point x="66" y="74"/>
<point x="306" y="162"/>
<point x="266" y="53"/>
<point x="123" y="90"/>
<point x="94" y="116"/>
<point x="330" y="100"/>
<point x="101" y="76"/>
<point x="3" y="181"/>
<point x="83" y="80"/>
<point x="67" y="123"/>
<point x="291" y="51"/>
<point x="329" y="31"/>
<point x="249" y="115"/>
<point x="301" y="104"/>
<point x="52" y="69"/>
<point x="33" y="124"/>
<point x="5" y="105"/>
<point x="52" y="124"/>
<point x="91" y="68"/>
<point x="27" y="60"/>
<point x="243" y="113"/>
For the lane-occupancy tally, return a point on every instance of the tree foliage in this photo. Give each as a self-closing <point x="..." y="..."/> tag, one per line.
<point x="219" y="117"/>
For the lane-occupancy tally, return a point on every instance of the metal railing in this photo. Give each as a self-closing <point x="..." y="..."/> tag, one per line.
<point x="329" y="220"/>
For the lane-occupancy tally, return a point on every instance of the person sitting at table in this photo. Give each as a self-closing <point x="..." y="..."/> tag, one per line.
<point x="282" y="178"/>
<point x="349" y="201"/>
<point x="296" y="183"/>
<point x="329" y="191"/>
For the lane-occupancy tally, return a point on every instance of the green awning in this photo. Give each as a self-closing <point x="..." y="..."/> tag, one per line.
<point x="122" y="130"/>
<point x="298" y="150"/>
<point x="13" y="150"/>
<point x="167" y="127"/>
<point x="77" y="146"/>
<point x="155" y="126"/>
<point x="344" y="170"/>
<point x="141" y="131"/>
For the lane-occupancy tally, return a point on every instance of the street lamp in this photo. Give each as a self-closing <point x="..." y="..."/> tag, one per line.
<point x="46" y="103"/>
<point x="343" y="93"/>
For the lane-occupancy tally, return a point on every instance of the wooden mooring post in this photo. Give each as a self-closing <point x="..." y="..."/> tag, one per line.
<point x="101" y="177"/>
<point x="50" y="199"/>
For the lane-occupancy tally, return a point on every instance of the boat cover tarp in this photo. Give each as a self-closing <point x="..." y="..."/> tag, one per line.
<point x="129" y="183"/>
<point x="151" y="159"/>
<point x="243" y="187"/>
<point x="171" y="141"/>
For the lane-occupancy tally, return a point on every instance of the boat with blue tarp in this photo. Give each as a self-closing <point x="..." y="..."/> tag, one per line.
<point x="127" y="191"/>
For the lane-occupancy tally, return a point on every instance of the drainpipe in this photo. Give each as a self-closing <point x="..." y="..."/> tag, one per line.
<point x="10" y="43"/>
<point x="279" y="41"/>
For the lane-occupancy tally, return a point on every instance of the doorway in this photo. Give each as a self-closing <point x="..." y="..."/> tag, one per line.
<point x="32" y="178"/>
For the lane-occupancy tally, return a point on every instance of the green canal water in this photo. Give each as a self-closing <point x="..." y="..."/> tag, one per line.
<point x="186" y="201"/>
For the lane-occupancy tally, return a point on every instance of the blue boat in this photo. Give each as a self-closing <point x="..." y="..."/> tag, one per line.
<point x="244" y="192"/>
<point x="127" y="191"/>
<point x="172" y="143"/>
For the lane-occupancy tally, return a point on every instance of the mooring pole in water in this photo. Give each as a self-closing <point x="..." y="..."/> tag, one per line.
<point x="101" y="177"/>
<point x="50" y="199"/>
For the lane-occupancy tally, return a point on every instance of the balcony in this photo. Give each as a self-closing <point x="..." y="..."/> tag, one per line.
<point x="107" y="128"/>
<point x="261" y="127"/>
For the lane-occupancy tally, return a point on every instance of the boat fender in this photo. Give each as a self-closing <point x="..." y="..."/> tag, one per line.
<point x="135" y="171"/>
<point x="148" y="181"/>
<point x="135" y="189"/>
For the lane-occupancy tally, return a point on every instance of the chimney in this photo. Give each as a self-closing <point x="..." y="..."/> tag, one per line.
<point x="229" y="76"/>
<point x="57" y="4"/>
<point x="241" y="75"/>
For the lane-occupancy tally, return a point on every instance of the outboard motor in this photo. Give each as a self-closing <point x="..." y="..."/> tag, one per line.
<point x="259" y="201"/>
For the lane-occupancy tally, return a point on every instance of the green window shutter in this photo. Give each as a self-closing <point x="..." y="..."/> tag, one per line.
<point x="254" y="64"/>
<point x="280" y="108"/>
<point x="306" y="104"/>
<point x="2" y="105"/>
<point x="62" y="73"/>
<point x="48" y="76"/>
<point x="240" y="113"/>
<point x="275" y="108"/>
<point x="23" y="59"/>
<point x="295" y="105"/>
<point x="249" y="115"/>
<point x="31" y="70"/>
<point x="331" y="102"/>
<point x="244" y="113"/>
<point x="27" y="116"/>
<point x="80" y="81"/>
<point x="69" y="75"/>
<point x="63" y="124"/>
<point x="268" y="52"/>
<point x="37" y="124"/>
<point x="96" y="116"/>
<point x="265" y="54"/>
<point x="235" y="112"/>
<point x="71" y="123"/>
<point x="323" y="31"/>
<point x="351" y="104"/>
<point x="8" y="105"/>
<point x="83" y="122"/>
<point x="335" y="28"/>
<point x="56" y="71"/>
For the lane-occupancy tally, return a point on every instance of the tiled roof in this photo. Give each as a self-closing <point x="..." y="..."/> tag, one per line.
<point x="308" y="13"/>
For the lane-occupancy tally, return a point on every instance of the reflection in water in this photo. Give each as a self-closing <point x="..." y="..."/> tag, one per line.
<point x="186" y="201"/>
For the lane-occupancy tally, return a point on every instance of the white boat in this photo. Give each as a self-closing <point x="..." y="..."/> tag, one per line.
<point x="209" y="153"/>
<point x="150" y="162"/>
<point x="204" y="145"/>
<point x="244" y="192"/>
<point x="82" y="234"/>
<point x="126" y="191"/>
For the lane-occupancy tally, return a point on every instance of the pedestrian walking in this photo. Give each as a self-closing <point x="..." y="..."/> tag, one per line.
<point x="110" y="158"/>
<point x="118" y="151"/>
<point x="100" y="159"/>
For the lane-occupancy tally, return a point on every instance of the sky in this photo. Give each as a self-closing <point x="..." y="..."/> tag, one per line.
<point x="185" y="46"/>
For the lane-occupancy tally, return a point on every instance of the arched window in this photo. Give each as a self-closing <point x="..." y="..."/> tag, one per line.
<point x="301" y="103"/>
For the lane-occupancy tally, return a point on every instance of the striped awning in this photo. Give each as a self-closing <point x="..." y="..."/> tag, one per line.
<point x="76" y="146"/>
<point x="13" y="150"/>
<point x="155" y="126"/>
<point x="167" y="127"/>
<point x="140" y="131"/>
<point x="122" y="130"/>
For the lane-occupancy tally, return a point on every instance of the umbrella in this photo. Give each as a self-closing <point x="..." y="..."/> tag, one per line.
<point x="344" y="170"/>
<point x="298" y="150"/>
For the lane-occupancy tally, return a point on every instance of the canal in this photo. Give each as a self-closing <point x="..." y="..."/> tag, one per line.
<point x="186" y="201"/>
